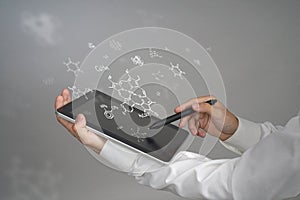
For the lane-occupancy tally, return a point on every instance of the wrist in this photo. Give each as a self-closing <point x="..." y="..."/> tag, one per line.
<point x="98" y="146"/>
<point x="233" y="128"/>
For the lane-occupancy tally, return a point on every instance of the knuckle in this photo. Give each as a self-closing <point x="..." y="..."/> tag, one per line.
<point x="194" y="100"/>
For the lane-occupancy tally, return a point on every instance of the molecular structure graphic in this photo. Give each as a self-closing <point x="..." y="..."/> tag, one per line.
<point x="91" y="45"/>
<point x="108" y="113"/>
<point x="209" y="49"/>
<point x="73" y="67"/>
<point x="105" y="56"/>
<point x="158" y="75"/>
<point x="116" y="45"/>
<point x="76" y="92"/>
<point x="139" y="135"/>
<point x="101" y="68"/>
<point x="132" y="95"/>
<point x="176" y="70"/>
<point x="33" y="184"/>
<point x="49" y="81"/>
<point x="137" y="60"/>
<point x="154" y="54"/>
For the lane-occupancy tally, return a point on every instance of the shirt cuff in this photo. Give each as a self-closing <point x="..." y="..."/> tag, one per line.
<point x="124" y="159"/>
<point x="118" y="156"/>
<point x="246" y="136"/>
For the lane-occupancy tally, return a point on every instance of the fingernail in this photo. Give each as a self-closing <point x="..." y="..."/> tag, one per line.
<point x="202" y="134"/>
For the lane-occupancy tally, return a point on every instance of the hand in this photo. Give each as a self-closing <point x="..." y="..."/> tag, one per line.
<point x="78" y="130"/>
<point x="214" y="119"/>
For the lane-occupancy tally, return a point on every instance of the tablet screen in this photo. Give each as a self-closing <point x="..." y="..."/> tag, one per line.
<point x="101" y="112"/>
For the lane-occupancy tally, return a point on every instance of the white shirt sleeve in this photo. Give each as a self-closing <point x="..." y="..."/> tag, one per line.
<point x="188" y="175"/>
<point x="251" y="176"/>
<point x="271" y="168"/>
<point x="248" y="134"/>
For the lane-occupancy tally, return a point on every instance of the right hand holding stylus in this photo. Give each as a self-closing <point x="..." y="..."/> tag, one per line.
<point x="222" y="124"/>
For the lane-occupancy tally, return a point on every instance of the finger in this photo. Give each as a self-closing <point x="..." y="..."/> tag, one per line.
<point x="202" y="108"/>
<point x="202" y="115"/>
<point x="201" y="132"/>
<point x="184" y="120"/>
<point x="66" y="124"/>
<point x="58" y="102"/>
<point x="193" y="101"/>
<point x="206" y="126"/>
<point x="185" y="105"/>
<point x="66" y="95"/>
<point x="86" y="137"/>
<point x="80" y="128"/>
<point x="192" y="126"/>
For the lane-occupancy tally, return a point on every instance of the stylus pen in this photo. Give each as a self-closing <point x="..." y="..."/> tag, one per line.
<point x="177" y="116"/>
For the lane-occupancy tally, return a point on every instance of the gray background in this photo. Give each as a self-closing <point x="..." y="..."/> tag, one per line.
<point x="255" y="44"/>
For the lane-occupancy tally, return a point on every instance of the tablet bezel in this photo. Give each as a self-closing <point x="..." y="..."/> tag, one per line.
<point x="66" y="112"/>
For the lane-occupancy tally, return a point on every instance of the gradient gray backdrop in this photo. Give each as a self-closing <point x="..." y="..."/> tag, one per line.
<point x="254" y="43"/>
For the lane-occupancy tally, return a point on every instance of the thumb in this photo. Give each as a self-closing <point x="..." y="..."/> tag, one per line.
<point x="86" y="137"/>
<point x="80" y="126"/>
<point x="80" y="122"/>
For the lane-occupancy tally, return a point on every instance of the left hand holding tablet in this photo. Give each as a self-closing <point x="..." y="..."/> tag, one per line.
<point x="79" y="130"/>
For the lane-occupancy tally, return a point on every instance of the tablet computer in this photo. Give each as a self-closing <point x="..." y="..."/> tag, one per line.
<point x="99" y="110"/>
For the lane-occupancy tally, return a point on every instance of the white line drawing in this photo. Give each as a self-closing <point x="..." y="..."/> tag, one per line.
<point x="137" y="60"/>
<point x="132" y="94"/>
<point x="32" y="183"/>
<point x="154" y="54"/>
<point x="126" y="108"/>
<point x="158" y="75"/>
<point x="116" y="45"/>
<point x="209" y="49"/>
<point x="139" y="135"/>
<point x="106" y="57"/>
<point x="101" y="68"/>
<point x="157" y="93"/>
<point x="108" y="113"/>
<point x="146" y="114"/>
<point x="49" y="81"/>
<point x="91" y="45"/>
<point x="73" y="67"/>
<point x="76" y="92"/>
<point x="197" y="61"/>
<point x="176" y="70"/>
